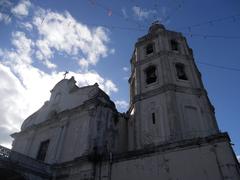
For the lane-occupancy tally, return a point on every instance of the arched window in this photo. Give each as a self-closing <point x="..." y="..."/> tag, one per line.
<point x="180" y="69"/>
<point x="149" y="48"/>
<point x="174" y="45"/>
<point x="151" y="76"/>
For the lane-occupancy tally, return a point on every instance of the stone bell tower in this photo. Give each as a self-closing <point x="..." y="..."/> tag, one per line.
<point x="168" y="101"/>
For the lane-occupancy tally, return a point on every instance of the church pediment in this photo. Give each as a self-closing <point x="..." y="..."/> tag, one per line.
<point x="65" y="95"/>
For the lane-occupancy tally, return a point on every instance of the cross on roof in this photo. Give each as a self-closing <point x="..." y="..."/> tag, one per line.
<point x="65" y="74"/>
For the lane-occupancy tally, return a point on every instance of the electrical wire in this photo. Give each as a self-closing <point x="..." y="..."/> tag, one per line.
<point x="117" y="27"/>
<point x="174" y="11"/>
<point x="105" y="8"/>
<point x="141" y="28"/>
<point x="212" y="21"/>
<point x="219" y="66"/>
<point x="205" y="36"/>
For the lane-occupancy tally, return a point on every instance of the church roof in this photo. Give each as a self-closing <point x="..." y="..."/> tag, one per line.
<point x="65" y="95"/>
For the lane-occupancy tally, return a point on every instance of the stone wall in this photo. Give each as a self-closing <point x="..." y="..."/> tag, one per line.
<point x="210" y="158"/>
<point x="213" y="162"/>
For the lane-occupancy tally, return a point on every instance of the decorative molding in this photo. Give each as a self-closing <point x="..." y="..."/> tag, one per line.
<point x="169" y="87"/>
<point x="163" y="55"/>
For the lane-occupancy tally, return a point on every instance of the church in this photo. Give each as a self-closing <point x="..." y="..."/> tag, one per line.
<point x="169" y="131"/>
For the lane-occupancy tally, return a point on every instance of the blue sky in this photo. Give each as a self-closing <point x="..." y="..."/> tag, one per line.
<point x="94" y="40"/>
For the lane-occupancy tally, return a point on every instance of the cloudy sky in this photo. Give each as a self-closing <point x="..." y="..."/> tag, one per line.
<point x="94" y="40"/>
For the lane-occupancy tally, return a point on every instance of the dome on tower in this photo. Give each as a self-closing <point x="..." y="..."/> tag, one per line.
<point x="155" y="26"/>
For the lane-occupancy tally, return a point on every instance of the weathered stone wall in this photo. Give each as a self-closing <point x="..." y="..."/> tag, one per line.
<point x="177" y="116"/>
<point x="74" y="134"/>
<point x="210" y="158"/>
<point x="198" y="163"/>
<point x="180" y="106"/>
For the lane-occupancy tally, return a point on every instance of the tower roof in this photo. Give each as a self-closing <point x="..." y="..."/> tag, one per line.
<point x="156" y="25"/>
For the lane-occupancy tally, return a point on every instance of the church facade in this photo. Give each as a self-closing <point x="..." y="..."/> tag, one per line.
<point x="169" y="132"/>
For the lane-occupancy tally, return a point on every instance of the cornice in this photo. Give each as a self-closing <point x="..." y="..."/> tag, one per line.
<point x="150" y="36"/>
<point x="169" y="87"/>
<point x="163" y="54"/>
<point x="154" y="149"/>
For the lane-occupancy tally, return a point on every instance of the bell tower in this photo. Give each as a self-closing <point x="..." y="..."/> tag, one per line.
<point x="168" y="101"/>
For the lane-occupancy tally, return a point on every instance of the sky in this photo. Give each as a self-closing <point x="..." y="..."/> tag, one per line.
<point x="94" y="41"/>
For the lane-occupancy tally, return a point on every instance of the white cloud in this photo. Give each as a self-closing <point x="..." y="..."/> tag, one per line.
<point x="122" y="105"/>
<point x="25" y="92"/>
<point x="5" y="18"/>
<point x="10" y="113"/>
<point x="124" y="12"/>
<point x="109" y="86"/>
<point x="83" y="63"/>
<point x="141" y="13"/>
<point x="126" y="69"/>
<point x="238" y="158"/>
<point x="62" y="33"/>
<point x="22" y="51"/>
<point x="21" y="9"/>
<point x="26" y="25"/>
<point x="23" y="47"/>
<point x="112" y="51"/>
<point x="92" y="77"/>
<point x="10" y="90"/>
<point x="24" y="87"/>
<point x="44" y="53"/>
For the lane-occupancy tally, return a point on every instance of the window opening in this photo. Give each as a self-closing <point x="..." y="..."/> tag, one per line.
<point x="153" y="118"/>
<point x="151" y="75"/>
<point x="149" y="49"/>
<point x="42" y="150"/>
<point x="174" y="45"/>
<point x="181" y="74"/>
